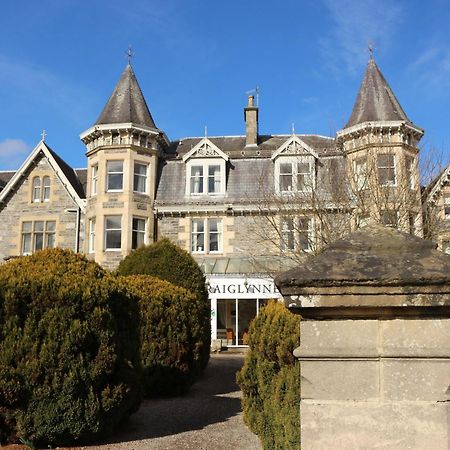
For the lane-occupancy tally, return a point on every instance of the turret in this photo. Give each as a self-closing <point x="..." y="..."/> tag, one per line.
<point x="123" y="147"/>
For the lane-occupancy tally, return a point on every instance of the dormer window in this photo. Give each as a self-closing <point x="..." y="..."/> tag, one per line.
<point x="205" y="169"/>
<point x="294" y="166"/>
<point x="206" y="178"/>
<point x="294" y="174"/>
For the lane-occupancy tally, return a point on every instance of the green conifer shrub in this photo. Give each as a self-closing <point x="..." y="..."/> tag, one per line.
<point x="270" y="378"/>
<point x="167" y="261"/>
<point x="69" y="350"/>
<point x="172" y="342"/>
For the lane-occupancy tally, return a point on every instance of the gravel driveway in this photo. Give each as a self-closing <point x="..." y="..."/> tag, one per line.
<point x="209" y="417"/>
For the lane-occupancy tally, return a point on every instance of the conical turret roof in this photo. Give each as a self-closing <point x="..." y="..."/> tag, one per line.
<point x="375" y="101"/>
<point x="127" y="103"/>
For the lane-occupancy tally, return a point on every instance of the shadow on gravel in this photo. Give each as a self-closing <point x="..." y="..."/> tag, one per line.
<point x="214" y="398"/>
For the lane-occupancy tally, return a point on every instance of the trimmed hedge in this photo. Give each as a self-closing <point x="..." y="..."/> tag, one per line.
<point x="270" y="379"/>
<point x="172" y="343"/>
<point x="69" y="350"/>
<point x="167" y="261"/>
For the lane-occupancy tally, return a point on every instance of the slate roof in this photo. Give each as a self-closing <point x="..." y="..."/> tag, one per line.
<point x="5" y="176"/>
<point x="234" y="146"/>
<point x="249" y="177"/>
<point x="375" y="101"/>
<point x="70" y="174"/>
<point x="127" y="103"/>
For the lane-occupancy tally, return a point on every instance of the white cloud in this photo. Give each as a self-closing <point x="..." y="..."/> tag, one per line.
<point x="12" y="153"/>
<point x="355" y="24"/>
<point x="431" y="68"/>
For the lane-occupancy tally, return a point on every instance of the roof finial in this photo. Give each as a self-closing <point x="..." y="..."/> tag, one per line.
<point x="129" y="54"/>
<point x="371" y="47"/>
<point x="206" y="131"/>
<point x="43" y="134"/>
<point x="293" y="128"/>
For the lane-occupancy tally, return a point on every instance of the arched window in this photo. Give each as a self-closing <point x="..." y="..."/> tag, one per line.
<point x="36" y="189"/>
<point x="46" y="184"/>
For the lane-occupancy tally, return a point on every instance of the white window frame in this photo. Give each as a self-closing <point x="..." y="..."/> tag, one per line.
<point x="205" y="163"/>
<point x="446" y="206"/>
<point x="31" y="235"/>
<point x="134" y="230"/>
<point x="206" y="233"/>
<point x="94" y="179"/>
<point x="140" y="176"/>
<point x="37" y="189"/>
<point x="91" y="237"/>
<point x="46" y="188"/>
<point x="292" y="234"/>
<point x="109" y="173"/>
<point x="410" y="172"/>
<point x="295" y="162"/>
<point x="112" y="249"/>
<point x="393" y="167"/>
<point x="360" y="172"/>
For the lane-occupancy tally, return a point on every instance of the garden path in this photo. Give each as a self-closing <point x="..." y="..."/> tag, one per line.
<point x="209" y="417"/>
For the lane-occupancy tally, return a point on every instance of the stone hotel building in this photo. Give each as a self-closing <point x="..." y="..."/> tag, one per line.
<point x="241" y="205"/>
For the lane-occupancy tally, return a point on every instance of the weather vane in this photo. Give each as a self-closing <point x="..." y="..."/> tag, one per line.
<point x="43" y="134"/>
<point x="256" y="92"/>
<point x="129" y="54"/>
<point x="371" y="47"/>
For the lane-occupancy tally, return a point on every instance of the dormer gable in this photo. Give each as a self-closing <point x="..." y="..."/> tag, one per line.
<point x="205" y="149"/>
<point x="205" y="169"/>
<point x="63" y="171"/>
<point x="294" y="146"/>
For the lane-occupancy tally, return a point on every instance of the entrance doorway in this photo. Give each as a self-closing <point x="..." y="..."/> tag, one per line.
<point x="234" y="317"/>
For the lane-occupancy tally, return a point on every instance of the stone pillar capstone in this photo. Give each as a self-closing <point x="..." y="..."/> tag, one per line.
<point x="375" y="342"/>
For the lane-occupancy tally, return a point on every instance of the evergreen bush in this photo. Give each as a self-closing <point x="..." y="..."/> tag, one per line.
<point x="69" y="350"/>
<point x="172" y="343"/>
<point x="270" y="378"/>
<point x="167" y="261"/>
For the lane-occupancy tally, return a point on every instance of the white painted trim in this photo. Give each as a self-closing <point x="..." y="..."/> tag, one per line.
<point x="118" y="126"/>
<point x="206" y="141"/>
<point x="42" y="147"/>
<point x="445" y="176"/>
<point x="294" y="139"/>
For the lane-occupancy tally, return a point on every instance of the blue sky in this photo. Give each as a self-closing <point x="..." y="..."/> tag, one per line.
<point x="195" y="60"/>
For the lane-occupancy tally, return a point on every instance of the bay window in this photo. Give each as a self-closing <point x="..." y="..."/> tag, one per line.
<point x="386" y="169"/>
<point x="140" y="178"/>
<point x="113" y="232"/>
<point x="114" y="178"/>
<point x="138" y="233"/>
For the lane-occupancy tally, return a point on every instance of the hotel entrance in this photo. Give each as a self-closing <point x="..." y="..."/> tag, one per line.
<point x="235" y="302"/>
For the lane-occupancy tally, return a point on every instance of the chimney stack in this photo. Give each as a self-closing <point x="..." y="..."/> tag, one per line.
<point x="251" y="122"/>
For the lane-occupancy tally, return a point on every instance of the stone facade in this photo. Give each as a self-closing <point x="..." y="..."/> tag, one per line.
<point x="244" y="206"/>
<point x="21" y="207"/>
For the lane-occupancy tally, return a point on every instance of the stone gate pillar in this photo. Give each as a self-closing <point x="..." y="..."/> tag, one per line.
<point x="375" y="343"/>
